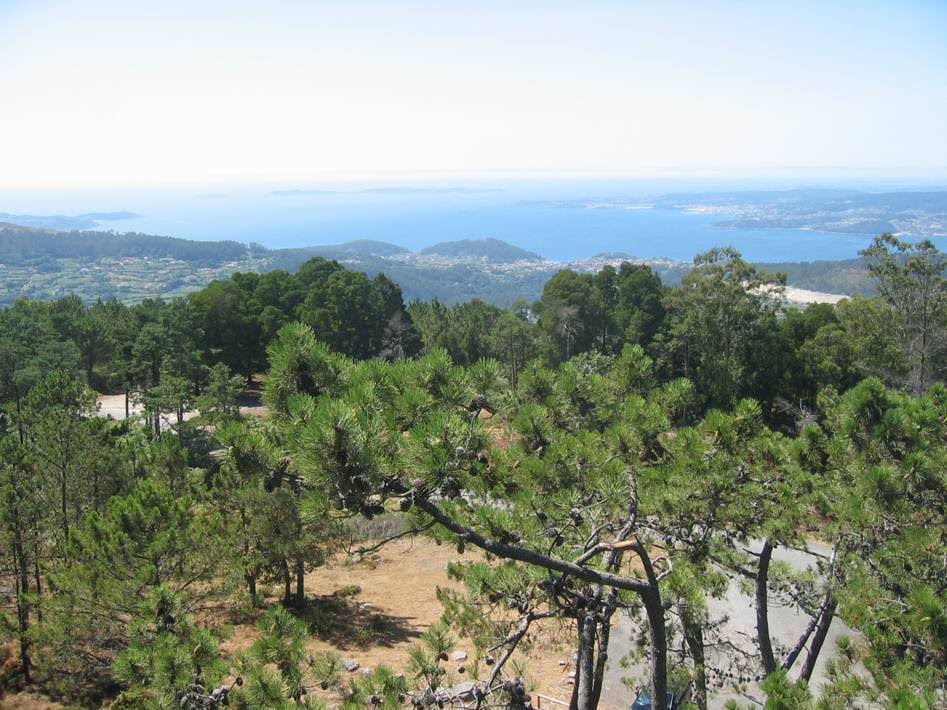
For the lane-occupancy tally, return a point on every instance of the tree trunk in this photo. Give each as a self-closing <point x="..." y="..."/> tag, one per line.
<point x="39" y="588"/>
<point x="251" y="587"/>
<point x="648" y="590"/>
<point x="300" y="584"/>
<point x="19" y="414"/>
<point x="96" y="495"/>
<point x="574" y="701"/>
<point x="659" y="662"/>
<point x="604" y="632"/>
<point x="585" y="668"/>
<point x="818" y="638"/>
<point x="22" y="585"/>
<point x="250" y="573"/>
<point x="762" y="609"/>
<point x="64" y="505"/>
<point x="514" y="369"/>
<point x="287" y="584"/>
<point x="694" y="638"/>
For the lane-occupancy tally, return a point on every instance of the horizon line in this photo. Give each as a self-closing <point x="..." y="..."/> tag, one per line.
<point x="761" y="172"/>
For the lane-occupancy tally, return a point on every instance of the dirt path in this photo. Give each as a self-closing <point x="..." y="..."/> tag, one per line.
<point x="113" y="405"/>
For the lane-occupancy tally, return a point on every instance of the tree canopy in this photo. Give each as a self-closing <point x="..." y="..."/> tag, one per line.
<point x="626" y="458"/>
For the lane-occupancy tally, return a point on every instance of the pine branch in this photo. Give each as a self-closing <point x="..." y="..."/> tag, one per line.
<point x="522" y="554"/>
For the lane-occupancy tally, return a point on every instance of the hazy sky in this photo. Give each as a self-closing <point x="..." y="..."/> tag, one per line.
<point x="137" y="91"/>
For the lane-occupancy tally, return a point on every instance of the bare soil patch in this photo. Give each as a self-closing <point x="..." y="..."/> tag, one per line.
<point x="395" y="604"/>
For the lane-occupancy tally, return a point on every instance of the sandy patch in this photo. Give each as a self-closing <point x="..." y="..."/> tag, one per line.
<point x="803" y="295"/>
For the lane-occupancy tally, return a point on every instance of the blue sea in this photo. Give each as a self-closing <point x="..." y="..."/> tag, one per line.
<point x="416" y="215"/>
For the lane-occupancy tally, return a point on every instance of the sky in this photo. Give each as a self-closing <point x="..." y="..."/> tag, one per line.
<point x="133" y="92"/>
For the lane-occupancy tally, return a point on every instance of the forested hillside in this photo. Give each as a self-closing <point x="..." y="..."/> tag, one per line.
<point x="131" y="268"/>
<point x="21" y="246"/>
<point x="618" y="449"/>
<point x="490" y="249"/>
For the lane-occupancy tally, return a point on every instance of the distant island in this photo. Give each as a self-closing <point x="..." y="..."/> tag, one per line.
<point x="909" y="213"/>
<point x="44" y="264"/>
<point x="88" y="220"/>
<point x="385" y="190"/>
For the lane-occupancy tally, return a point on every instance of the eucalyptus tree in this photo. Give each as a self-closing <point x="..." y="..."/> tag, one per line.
<point x="514" y="341"/>
<point x="224" y="312"/>
<point x="570" y="313"/>
<point x="912" y="278"/>
<point x="629" y="301"/>
<point x="639" y="310"/>
<point x="721" y="330"/>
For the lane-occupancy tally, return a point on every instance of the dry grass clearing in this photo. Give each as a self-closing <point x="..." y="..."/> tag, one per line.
<point x="395" y="604"/>
<point x="377" y="625"/>
<point x="28" y="701"/>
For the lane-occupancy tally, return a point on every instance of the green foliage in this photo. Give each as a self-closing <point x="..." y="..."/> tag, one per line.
<point x="300" y="364"/>
<point x="282" y="644"/>
<point x="219" y="400"/>
<point x="889" y="459"/>
<point x="150" y="552"/>
<point x="172" y="394"/>
<point x="563" y="439"/>
<point x="166" y="653"/>
<point x="722" y="330"/>
<point x="783" y="694"/>
<point x="912" y="280"/>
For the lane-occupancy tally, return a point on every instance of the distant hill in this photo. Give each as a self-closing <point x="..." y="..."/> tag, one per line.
<point x="44" y="264"/>
<point x="358" y="247"/>
<point x="26" y="229"/>
<point x="25" y="245"/>
<point x="492" y="249"/>
<point x="302" y="192"/>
